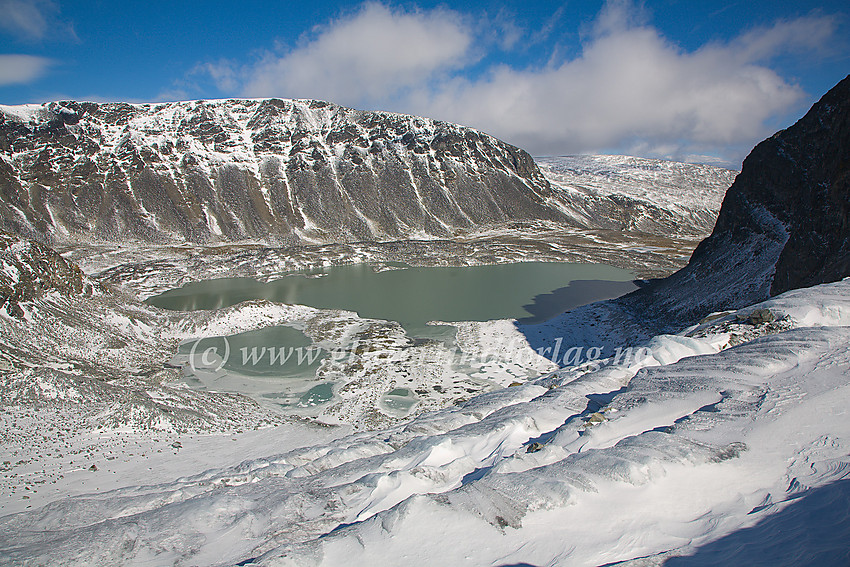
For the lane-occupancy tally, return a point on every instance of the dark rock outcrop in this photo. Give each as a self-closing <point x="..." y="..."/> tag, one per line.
<point x="784" y="223"/>
<point x="28" y="270"/>
<point x="275" y="171"/>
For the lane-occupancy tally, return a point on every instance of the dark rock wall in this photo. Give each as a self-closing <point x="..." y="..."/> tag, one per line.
<point x="783" y="224"/>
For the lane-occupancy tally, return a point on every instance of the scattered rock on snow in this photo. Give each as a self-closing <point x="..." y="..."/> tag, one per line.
<point x="757" y="317"/>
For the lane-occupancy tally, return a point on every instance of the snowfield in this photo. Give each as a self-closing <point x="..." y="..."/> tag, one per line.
<point x="729" y="443"/>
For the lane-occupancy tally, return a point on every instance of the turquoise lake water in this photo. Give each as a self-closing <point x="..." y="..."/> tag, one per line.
<point x="531" y="291"/>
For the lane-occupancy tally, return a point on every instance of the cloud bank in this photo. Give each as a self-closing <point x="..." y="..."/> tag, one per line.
<point x="627" y="89"/>
<point x="376" y="53"/>
<point x="22" y="69"/>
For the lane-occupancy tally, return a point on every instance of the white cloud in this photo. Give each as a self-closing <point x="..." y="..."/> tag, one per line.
<point x="225" y="74"/>
<point x="502" y="29"/>
<point x="369" y="56"/>
<point x="632" y="90"/>
<point x="810" y="33"/>
<point x="629" y="89"/>
<point x="22" y="69"/>
<point x="626" y="87"/>
<point x="617" y="16"/>
<point x="26" y="19"/>
<point x="31" y="20"/>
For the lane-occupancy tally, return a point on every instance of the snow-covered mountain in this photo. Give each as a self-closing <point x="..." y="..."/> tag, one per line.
<point x="638" y="194"/>
<point x="279" y="171"/>
<point x="288" y="172"/>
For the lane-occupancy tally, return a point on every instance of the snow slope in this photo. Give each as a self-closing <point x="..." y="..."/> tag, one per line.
<point x="686" y="443"/>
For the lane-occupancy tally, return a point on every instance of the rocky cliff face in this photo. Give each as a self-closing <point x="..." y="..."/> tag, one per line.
<point x="784" y="223"/>
<point x="277" y="171"/>
<point x="801" y="177"/>
<point x="28" y="270"/>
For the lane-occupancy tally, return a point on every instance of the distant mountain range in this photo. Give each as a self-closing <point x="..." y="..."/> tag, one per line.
<point x="635" y="194"/>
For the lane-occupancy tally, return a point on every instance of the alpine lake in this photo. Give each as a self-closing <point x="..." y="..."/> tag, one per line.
<point x="421" y="299"/>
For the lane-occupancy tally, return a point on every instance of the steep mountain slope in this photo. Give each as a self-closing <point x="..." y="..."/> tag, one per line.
<point x="637" y="194"/>
<point x="783" y="223"/>
<point x="294" y="172"/>
<point x="28" y="270"/>
<point x="277" y="171"/>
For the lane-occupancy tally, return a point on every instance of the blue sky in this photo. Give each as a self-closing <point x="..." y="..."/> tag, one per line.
<point x="666" y="78"/>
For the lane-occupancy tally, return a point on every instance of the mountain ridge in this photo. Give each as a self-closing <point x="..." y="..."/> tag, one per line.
<point x="784" y="223"/>
<point x="274" y="170"/>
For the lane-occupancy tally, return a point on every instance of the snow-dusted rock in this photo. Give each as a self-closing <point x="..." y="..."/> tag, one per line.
<point x="637" y="194"/>
<point x="28" y="270"/>
<point x="279" y="171"/>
